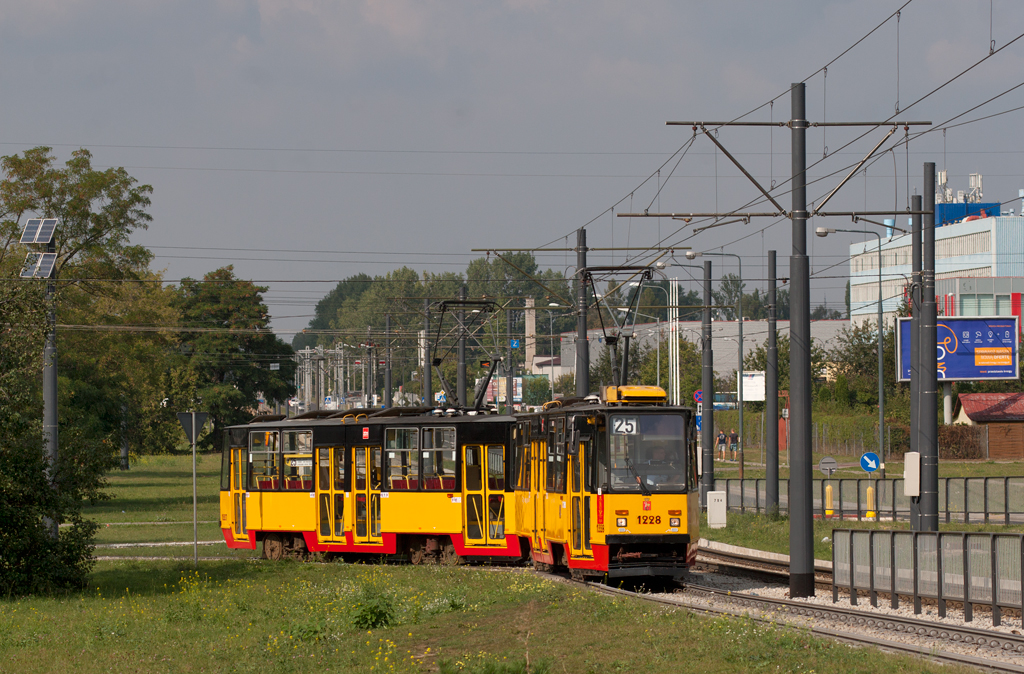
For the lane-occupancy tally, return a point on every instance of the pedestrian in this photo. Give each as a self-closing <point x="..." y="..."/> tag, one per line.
<point x="721" y="444"/>
<point x="734" y="442"/>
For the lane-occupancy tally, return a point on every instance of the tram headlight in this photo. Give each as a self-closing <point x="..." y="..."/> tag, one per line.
<point x="620" y="522"/>
<point x="673" y="522"/>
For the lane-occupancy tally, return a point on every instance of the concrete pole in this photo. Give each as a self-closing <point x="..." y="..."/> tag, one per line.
<point x="707" y="480"/>
<point x="772" y="399"/>
<point x="739" y="369"/>
<point x="881" y="364"/>
<point x="801" y="514"/>
<point x="461" y="383"/>
<point x="387" y="361"/>
<point x="947" y="403"/>
<point x="428" y="385"/>
<point x="582" y="345"/>
<point x="929" y="366"/>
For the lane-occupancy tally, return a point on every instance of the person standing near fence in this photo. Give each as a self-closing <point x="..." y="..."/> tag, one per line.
<point x="721" y="444"/>
<point x="734" y="442"/>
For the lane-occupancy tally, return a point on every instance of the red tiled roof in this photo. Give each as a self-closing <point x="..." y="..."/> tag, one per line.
<point x="993" y="406"/>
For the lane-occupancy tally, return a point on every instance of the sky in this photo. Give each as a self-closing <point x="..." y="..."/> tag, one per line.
<point x="311" y="140"/>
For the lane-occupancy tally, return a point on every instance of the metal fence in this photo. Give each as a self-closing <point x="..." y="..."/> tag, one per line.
<point x="995" y="500"/>
<point x="972" y="568"/>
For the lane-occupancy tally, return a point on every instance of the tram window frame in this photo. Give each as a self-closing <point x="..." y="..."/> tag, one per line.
<point x="556" y="469"/>
<point x="448" y="452"/>
<point x="271" y="458"/>
<point x="599" y="466"/>
<point x="225" y="464"/>
<point x="403" y="444"/>
<point x="523" y="459"/>
<point x="296" y="454"/>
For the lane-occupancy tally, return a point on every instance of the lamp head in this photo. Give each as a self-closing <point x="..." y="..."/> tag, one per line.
<point x="824" y="231"/>
<point x="691" y="255"/>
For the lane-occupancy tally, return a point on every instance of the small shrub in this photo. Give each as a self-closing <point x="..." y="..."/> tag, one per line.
<point x="374" y="607"/>
<point x="492" y="667"/>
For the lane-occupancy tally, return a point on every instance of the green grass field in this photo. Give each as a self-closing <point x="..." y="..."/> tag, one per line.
<point x="240" y="613"/>
<point x="249" y="616"/>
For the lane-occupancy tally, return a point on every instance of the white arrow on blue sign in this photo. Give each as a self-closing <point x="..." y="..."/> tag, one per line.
<point x="698" y="422"/>
<point x="869" y="462"/>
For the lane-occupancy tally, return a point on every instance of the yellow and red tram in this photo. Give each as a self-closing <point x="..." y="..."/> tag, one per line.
<point x="605" y="486"/>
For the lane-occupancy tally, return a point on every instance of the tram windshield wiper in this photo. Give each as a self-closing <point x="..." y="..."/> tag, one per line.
<point x="643" y="488"/>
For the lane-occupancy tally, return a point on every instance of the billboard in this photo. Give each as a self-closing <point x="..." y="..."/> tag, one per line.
<point x="753" y="386"/>
<point x="969" y="348"/>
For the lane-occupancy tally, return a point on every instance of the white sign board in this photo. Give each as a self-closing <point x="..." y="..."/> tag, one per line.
<point x="753" y="387"/>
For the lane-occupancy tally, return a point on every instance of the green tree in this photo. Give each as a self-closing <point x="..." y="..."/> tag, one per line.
<point x="230" y="347"/>
<point x="757" y="359"/>
<point x="329" y="306"/>
<point x="98" y="211"/>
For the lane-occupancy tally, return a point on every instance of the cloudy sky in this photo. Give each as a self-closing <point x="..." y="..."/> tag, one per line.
<point x="315" y="139"/>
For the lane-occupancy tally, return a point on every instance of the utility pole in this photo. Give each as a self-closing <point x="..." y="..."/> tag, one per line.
<point x="509" y="373"/>
<point x="461" y="383"/>
<point x="772" y="398"/>
<point x="915" y="357"/>
<point x="387" y="361"/>
<point x="707" y="480"/>
<point x="582" y="345"/>
<point x="428" y="386"/>
<point x="927" y="408"/>
<point x="801" y="508"/>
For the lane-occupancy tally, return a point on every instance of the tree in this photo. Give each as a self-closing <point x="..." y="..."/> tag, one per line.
<point x="328" y="307"/>
<point x="230" y="347"/>
<point x="757" y="360"/>
<point x="730" y="289"/>
<point x="97" y="211"/>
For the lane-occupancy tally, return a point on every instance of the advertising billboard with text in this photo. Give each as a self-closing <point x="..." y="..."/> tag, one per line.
<point x="969" y="348"/>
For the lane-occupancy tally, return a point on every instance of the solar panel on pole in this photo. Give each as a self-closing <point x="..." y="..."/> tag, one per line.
<point x="31" y="228"/>
<point x="46" y="230"/>
<point x="46" y="263"/>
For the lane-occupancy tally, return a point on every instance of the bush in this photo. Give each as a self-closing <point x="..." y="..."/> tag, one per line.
<point x="374" y="606"/>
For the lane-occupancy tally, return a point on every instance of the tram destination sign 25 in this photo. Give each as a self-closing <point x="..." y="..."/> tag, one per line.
<point x="969" y="348"/>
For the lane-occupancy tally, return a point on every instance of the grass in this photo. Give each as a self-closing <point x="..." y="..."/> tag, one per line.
<point x="301" y="617"/>
<point x="762" y="532"/>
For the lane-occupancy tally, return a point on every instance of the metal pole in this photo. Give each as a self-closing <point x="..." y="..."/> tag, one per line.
<point x="739" y="369"/>
<point x="460" y="386"/>
<point x="657" y="324"/>
<point x="929" y="366"/>
<point x="195" y="498"/>
<point x="881" y="365"/>
<point x="50" y="386"/>
<point x="772" y="395"/>
<point x="551" y="352"/>
<point x="428" y="386"/>
<point x="387" y="361"/>
<point x="582" y="345"/>
<point x="707" y="480"/>
<point x="801" y="534"/>
<point x="915" y="349"/>
<point x="508" y="366"/>
<point x="947" y="403"/>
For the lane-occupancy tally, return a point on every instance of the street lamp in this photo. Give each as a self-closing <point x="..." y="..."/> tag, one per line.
<point x="691" y="255"/>
<point x="823" y="232"/>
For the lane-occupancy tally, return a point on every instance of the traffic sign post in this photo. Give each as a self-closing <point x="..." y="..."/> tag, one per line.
<point x="192" y="423"/>
<point x="827" y="466"/>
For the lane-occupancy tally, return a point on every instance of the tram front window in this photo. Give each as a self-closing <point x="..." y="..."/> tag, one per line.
<point x="648" y="449"/>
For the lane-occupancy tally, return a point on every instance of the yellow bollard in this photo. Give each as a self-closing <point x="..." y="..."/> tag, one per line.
<point x="828" y="500"/>
<point x="871" y="503"/>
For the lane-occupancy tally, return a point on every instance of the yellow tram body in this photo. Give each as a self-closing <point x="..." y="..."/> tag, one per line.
<point x="605" y="486"/>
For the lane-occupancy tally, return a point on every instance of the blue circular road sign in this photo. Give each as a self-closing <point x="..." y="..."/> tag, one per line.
<point x="698" y="396"/>
<point x="869" y="462"/>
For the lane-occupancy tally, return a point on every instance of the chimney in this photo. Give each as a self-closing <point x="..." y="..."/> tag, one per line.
<point x="531" y="335"/>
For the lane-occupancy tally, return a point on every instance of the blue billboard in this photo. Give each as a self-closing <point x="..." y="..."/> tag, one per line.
<point x="969" y="348"/>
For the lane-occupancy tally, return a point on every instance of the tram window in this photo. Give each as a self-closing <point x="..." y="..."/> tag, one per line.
<point x="264" y="461"/>
<point x="496" y="468"/>
<point x="323" y="463"/>
<point x="297" y="455"/>
<point x="599" y="464"/>
<point x="523" y="458"/>
<point x="225" y="465"/>
<point x="402" y="470"/>
<point x="403" y="438"/>
<point x="438" y="457"/>
<point x="339" y="468"/>
<point x="556" y="467"/>
<point x="474" y="461"/>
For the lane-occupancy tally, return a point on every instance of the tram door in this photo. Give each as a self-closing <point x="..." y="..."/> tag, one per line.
<point x="538" y="495"/>
<point x="483" y="479"/>
<point x="367" y="471"/>
<point x="239" y="457"/>
<point x="330" y="494"/>
<point x="580" y="523"/>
